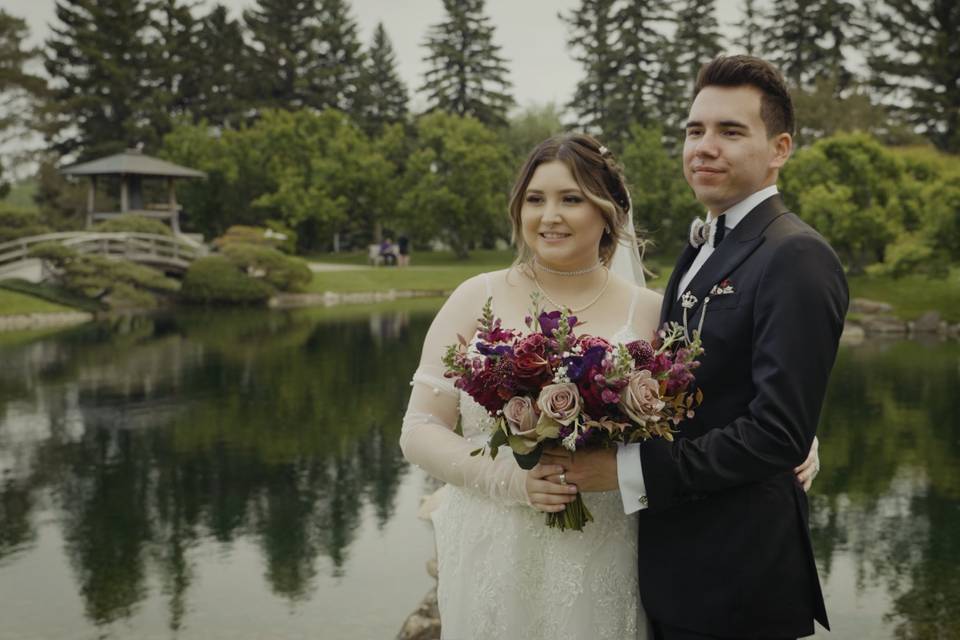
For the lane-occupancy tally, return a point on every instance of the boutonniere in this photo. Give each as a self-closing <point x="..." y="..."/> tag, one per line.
<point x="722" y="288"/>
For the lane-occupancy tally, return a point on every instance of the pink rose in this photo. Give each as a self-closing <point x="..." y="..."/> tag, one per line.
<point x="640" y="399"/>
<point x="521" y="417"/>
<point x="560" y="402"/>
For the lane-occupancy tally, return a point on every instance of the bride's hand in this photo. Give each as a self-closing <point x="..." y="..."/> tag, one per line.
<point x="545" y="489"/>
<point x="807" y="471"/>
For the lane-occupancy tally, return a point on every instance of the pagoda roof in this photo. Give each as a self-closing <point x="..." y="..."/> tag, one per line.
<point x="131" y="162"/>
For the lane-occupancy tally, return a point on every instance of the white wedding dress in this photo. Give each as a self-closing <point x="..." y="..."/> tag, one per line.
<point x="502" y="572"/>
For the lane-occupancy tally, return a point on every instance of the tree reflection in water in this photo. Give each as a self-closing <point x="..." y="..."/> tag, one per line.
<point x="144" y="438"/>
<point x="278" y="428"/>
<point x="889" y="492"/>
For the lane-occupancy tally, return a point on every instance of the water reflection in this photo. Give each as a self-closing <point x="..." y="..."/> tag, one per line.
<point x="889" y="497"/>
<point x="150" y="434"/>
<point x="159" y="454"/>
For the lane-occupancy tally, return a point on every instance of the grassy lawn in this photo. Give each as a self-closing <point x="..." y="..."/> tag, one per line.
<point x="14" y="303"/>
<point x="491" y="258"/>
<point x="910" y="296"/>
<point x="913" y="295"/>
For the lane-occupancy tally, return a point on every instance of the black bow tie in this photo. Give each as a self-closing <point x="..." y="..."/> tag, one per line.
<point x="700" y="231"/>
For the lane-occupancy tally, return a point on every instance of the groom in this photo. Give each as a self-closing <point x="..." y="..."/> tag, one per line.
<point x="724" y="549"/>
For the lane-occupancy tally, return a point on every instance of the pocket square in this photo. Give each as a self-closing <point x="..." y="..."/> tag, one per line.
<point x="722" y="288"/>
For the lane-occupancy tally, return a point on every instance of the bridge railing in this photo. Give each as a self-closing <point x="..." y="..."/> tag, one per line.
<point x="178" y="251"/>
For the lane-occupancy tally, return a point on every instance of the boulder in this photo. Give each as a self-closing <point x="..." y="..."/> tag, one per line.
<point x="424" y="623"/>
<point x="869" y="307"/>
<point x="853" y="334"/>
<point x="883" y="325"/>
<point x="930" y="322"/>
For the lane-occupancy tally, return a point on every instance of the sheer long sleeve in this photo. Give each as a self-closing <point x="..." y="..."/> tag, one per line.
<point x="428" y="439"/>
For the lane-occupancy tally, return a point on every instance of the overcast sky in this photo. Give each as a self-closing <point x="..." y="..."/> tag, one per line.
<point x="533" y="38"/>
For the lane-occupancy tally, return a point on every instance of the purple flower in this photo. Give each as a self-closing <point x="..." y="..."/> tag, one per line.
<point x="550" y="322"/>
<point x="489" y="350"/>
<point x="678" y="378"/>
<point x="641" y="351"/>
<point x="577" y="366"/>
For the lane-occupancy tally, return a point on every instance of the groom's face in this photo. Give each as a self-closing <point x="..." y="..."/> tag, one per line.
<point x="727" y="154"/>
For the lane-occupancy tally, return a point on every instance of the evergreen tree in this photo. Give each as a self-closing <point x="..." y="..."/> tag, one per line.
<point x="340" y="58"/>
<point x="175" y="53"/>
<point x="750" y="27"/>
<point x="467" y="75"/>
<point x="642" y="47"/>
<point x="97" y="58"/>
<point x="917" y="63"/>
<point x="19" y="89"/>
<point x="306" y="54"/>
<point x="807" y="39"/>
<point x="593" y="39"/>
<point x="696" y="40"/>
<point x="221" y="69"/>
<point x="384" y="97"/>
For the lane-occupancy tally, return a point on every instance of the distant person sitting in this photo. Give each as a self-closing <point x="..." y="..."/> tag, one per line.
<point x="403" y="251"/>
<point x="388" y="251"/>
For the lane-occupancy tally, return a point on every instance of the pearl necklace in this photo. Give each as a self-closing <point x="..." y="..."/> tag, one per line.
<point x="557" y="272"/>
<point x="579" y="309"/>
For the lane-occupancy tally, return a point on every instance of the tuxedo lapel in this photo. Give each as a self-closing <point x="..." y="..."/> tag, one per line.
<point x="670" y="296"/>
<point x="736" y="247"/>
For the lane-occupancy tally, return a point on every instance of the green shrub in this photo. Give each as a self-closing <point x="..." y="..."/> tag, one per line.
<point x="133" y="224"/>
<point x="218" y="280"/>
<point x="274" y="235"/>
<point x="118" y="283"/>
<point x="20" y="222"/>
<point x="280" y="271"/>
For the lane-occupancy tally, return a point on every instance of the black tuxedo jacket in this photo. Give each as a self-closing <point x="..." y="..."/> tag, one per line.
<point x="724" y="544"/>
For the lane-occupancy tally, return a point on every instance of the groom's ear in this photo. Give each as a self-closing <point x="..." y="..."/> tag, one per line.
<point x="782" y="146"/>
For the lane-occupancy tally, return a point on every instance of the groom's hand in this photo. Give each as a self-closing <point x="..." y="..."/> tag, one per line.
<point x="591" y="469"/>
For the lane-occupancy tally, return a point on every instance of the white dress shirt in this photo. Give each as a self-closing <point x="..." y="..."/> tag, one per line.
<point x="633" y="489"/>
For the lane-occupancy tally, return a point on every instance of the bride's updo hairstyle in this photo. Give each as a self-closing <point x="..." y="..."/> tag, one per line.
<point x="597" y="174"/>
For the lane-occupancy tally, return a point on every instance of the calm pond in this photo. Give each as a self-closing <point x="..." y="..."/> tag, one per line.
<point x="237" y="475"/>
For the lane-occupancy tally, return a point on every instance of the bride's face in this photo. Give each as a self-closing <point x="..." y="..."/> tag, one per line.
<point x="560" y="225"/>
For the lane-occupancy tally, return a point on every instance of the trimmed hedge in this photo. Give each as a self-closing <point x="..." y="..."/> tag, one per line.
<point x="20" y="222"/>
<point x="218" y="280"/>
<point x="134" y="224"/>
<point x="264" y="263"/>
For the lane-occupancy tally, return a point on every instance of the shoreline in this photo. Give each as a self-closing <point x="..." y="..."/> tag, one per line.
<point x="866" y="320"/>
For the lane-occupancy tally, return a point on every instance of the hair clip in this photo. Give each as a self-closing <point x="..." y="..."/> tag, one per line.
<point x="603" y="151"/>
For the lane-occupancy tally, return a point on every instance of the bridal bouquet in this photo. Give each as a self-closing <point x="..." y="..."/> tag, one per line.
<point x="550" y="386"/>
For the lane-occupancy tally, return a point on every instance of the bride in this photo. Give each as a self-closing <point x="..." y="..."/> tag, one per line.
<point x="502" y="572"/>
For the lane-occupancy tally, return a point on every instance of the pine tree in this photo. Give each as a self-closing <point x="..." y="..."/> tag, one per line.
<point x="806" y="39"/>
<point x="306" y="54"/>
<point x="641" y="50"/>
<point x="592" y="40"/>
<point x="467" y="75"/>
<point x="917" y="62"/>
<point x="19" y="88"/>
<point x="222" y="67"/>
<point x="282" y="32"/>
<point x="750" y="28"/>
<point x="175" y="53"/>
<point x="340" y="58"/>
<point x="384" y="96"/>
<point x="696" y="40"/>
<point x="97" y="59"/>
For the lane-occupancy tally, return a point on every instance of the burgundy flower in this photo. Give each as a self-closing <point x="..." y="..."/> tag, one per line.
<point x="588" y="342"/>
<point x="678" y="379"/>
<point x="532" y="370"/>
<point x="641" y="351"/>
<point x="533" y="343"/>
<point x="491" y="386"/>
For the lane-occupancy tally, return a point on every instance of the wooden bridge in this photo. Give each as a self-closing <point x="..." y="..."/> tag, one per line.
<point x="167" y="253"/>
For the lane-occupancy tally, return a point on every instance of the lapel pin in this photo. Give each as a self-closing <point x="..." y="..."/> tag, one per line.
<point x="722" y="288"/>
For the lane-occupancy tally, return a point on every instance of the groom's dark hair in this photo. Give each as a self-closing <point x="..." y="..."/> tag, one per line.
<point x="776" y="107"/>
